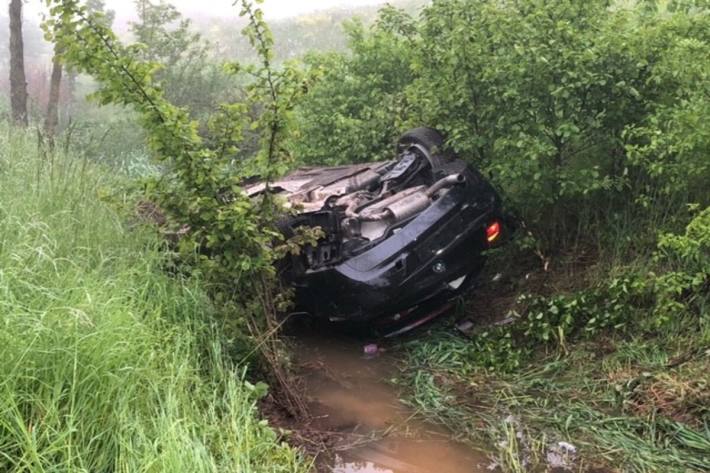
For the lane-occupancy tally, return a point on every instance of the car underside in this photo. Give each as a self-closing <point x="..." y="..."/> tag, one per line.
<point x="400" y="238"/>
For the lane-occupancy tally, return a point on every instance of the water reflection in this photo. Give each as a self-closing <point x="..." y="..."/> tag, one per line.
<point x="398" y="455"/>
<point x="344" y="466"/>
<point x="350" y="394"/>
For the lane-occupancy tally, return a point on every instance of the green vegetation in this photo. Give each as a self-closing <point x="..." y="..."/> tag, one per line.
<point x="590" y="118"/>
<point x="619" y="369"/>
<point x="120" y="351"/>
<point x="218" y="233"/>
<point x="294" y="37"/>
<point x="163" y="36"/>
<point x="106" y="362"/>
<point x="592" y="121"/>
<point x="582" y="115"/>
<point x="338" y="121"/>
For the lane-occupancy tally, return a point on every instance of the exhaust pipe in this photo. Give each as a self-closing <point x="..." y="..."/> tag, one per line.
<point x="407" y="203"/>
<point x="448" y="181"/>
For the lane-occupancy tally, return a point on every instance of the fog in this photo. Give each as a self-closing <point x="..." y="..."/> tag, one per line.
<point x="273" y="9"/>
<point x="298" y="27"/>
<point x="207" y="16"/>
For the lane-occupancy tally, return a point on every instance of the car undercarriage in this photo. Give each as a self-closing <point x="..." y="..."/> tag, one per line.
<point x="398" y="237"/>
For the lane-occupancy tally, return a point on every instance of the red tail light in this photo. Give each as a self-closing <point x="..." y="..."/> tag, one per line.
<point x="493" y="231"/>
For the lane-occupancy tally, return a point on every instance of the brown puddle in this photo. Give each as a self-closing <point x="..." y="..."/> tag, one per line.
<point x="350" y="394"/>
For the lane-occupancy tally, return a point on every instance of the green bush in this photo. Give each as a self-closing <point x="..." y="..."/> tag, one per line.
<point x="668" y="147"/>
<point x="226" y="238"/>
<point x="633" y="302"/>
<point x="353" y="112"/>
<point x="684" y="288"/>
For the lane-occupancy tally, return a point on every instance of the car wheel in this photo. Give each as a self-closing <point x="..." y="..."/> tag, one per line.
<point x="431" y="140"/>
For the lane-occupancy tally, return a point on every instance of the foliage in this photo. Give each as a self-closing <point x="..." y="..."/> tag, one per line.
<point x="631" y="302"/>
<point x="577" y="112"/>
<point x="690" y="251"/>
<point x="226" y="241"/>
<point x="541" y="97"/>
<point x="196" y="176"/>
<point x="189" y="74"/>
<point x="558" y="320"/>
<point x="685" y="287"/>
<point x="158" y="43"/>
<point x="623" y="405"/>
<point x="295" y="36"/>
<point x="220" y="234"/>
<point x="591" y="118"/>
<point x="108" y="135"/>
<point x="99" y="7"/>
<point x="620" y="368"/>
<point x="107" y="363"/>
<point x="670" y="145"/>
<point x="350" y="113"/>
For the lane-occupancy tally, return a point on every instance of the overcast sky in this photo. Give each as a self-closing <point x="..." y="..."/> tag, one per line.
<point x="273" y="9"/>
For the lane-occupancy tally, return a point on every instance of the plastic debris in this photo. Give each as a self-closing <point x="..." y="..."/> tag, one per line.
<point x="370" y="349"/>
<point x="506" y="321"/>
<point x="561" y="455"/>
<point x="568" y="447"/>
<point x="464" y="326"/>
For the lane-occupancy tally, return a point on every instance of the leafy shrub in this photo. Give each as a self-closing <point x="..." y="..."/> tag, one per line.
<point x="229" y="238"/>
<point x="536" y="94"/>
<point x="188" y="73"/>
<point x="352" y="113"/>
<point x="685" y="287"/>
<point x="668" y="147"/>
<point x="557" y="320"/>
<point x="631" y="302"/>
<point x="220" y="235"/>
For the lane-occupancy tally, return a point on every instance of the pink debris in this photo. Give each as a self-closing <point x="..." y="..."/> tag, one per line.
<point x="370" y="349"/>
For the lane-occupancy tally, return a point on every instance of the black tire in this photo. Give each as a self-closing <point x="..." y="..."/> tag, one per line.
<point x="431" y="140"/>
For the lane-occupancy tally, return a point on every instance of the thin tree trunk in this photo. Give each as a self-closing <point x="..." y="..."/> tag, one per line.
<point x="70" y="76"/>
<point x="18" y="82"/>
<point x="52" y="119"/>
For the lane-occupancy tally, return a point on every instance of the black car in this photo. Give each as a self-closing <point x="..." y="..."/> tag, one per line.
<point x="401" y="237"/>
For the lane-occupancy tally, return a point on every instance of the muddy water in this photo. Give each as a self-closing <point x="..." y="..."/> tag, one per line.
<point x="350" y="395"/>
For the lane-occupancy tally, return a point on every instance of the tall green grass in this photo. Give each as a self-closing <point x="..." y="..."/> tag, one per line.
<point x="106" y="362"/>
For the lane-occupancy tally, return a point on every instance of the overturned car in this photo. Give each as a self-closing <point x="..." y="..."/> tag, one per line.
<point x="401" y="237"/>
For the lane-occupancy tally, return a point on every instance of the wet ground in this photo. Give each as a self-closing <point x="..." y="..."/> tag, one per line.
<point x="349" y="395"/>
